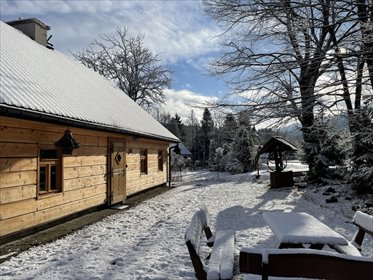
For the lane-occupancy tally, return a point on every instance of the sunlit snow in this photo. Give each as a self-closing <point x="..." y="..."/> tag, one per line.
<point x="147" y="241"/>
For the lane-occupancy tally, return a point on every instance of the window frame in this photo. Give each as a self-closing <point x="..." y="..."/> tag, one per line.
<point x="49" y="163"/>
<point x="160" y="160"/>
<point x="143" y="161"/>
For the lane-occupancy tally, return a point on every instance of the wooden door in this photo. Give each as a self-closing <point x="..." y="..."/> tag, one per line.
<point x="118" y="172"/>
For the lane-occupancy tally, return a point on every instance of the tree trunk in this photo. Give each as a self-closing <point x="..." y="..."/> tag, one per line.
<point x="307" y="117"/>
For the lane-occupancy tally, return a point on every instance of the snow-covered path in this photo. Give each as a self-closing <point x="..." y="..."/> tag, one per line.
<point x="147" y="241"/>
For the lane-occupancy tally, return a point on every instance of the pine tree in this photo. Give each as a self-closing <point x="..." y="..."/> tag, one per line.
<point x="245" y="146"/>
<point x="180" y="127"/>
<point x="229" y="128"/>
<point x="206" y="131"/>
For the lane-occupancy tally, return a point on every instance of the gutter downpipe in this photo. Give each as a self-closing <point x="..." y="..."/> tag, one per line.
<point x="176" y="149"/>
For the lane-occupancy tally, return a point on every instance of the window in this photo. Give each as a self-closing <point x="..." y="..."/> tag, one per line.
<point x="144" y="161"/>
<point x="50" y="179"/>
<point x="160" y="160"/>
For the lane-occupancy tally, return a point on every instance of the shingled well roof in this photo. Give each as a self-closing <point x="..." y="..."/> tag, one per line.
<point x="35" y="80"/>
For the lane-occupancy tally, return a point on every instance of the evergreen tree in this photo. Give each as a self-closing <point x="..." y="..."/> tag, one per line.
<point x="192" y="131"/>
<point x="207" y="126"/>
<point x="229" y="128"/>
<point x="164" y="118"/>
<point x="180" y="127"/>
<point x="172" y="126"/>
<point x="213" y="158"/>
<point x="197" y="146"/>
<point x="244" y="119"/>
<point x="362" y="168"/>
<point x="326" y="150"/>
<point x="245" y="146"/>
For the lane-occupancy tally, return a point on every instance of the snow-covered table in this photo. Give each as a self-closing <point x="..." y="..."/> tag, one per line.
<point x="294" y="230"/>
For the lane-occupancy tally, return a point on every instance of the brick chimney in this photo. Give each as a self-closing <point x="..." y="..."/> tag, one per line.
<point x="33" y="28"/>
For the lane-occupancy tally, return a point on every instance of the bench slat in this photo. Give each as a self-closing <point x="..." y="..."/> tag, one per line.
<point x="363" y="221"/>
<point x="347" y="249"/>
<point x="221" y="261"/>
<point x="305" y="263"/>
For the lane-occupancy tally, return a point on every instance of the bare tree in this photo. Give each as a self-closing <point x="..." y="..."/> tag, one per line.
<point x="352" y="59"/>
<point x="133" y="67"/>
<point x="284" y="57"/>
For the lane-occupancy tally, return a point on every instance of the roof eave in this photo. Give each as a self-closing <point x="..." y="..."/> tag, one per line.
<point x="22" y="113"/>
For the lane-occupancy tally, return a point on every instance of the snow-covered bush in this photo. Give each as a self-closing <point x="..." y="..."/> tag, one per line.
<point x="328" y="148"/>
<point x="215" y="161"/>
<point x="362" y="178"/>
<point x="179" y="161"/>
<point x="234" y="166"/>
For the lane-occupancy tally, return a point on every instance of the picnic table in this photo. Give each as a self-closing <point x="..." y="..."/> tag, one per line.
<point x="295" y="230"/>
<point x="299" y="230"/>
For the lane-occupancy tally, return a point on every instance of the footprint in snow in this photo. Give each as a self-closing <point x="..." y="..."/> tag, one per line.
<point x="118" y="262"/>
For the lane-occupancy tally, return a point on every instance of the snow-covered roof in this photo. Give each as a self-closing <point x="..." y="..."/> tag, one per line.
<point x="277" y="143"/>
<point x="37" y="80"/>
<point x="184" y="151"/>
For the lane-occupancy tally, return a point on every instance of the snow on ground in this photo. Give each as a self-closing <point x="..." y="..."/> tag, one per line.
<point x="147" y="241"/>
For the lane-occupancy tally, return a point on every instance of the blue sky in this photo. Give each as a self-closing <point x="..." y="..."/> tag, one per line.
<point x="178" y="31"/>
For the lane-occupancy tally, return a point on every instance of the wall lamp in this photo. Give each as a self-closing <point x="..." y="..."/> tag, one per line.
<point x="67" y="143"/>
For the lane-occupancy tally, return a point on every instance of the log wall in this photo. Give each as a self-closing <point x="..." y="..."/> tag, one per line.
<point x="136" y="181"/>
<point x="85" y="172"/>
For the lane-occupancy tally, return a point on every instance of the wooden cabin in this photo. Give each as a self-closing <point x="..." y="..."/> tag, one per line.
<point x="70" y="140"/>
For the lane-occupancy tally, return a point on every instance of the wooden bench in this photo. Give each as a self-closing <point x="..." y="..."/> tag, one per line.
<point x="364" y="223"/>
<point x="347" y="264"/>
<point x="305" y="263"/>
<point x="220" y="262"/>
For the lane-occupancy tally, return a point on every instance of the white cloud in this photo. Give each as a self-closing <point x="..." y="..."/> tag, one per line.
<point x="183" y="101"/>
<point x="176" y="30"/>
<point x="42" y="7"/>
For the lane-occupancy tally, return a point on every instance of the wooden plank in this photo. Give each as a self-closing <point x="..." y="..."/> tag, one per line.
<point x="306" y="265"/>
<point x="145" y="182"/>
<point x="149" y="143"/>
<point x="27" y="135"/>
<point x="133" y="166"/>
<point x="18" y="150"/>
<point x="78" y="183"/>
<point x="50" y="214"/>
<point x="83" y="171"/>
<point x="70" y="196"/>
<point x="17" y="208"/>
<point x="18" y="164"/>
<point x="72" y="161"/>
<point x="18" y="223"/>
<point x="88" y="140"/>
<point x="13" y="194"/>
<point x="88" y="151"/>
<point x="19" y="123"/>
<point x="19" y="178"/>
